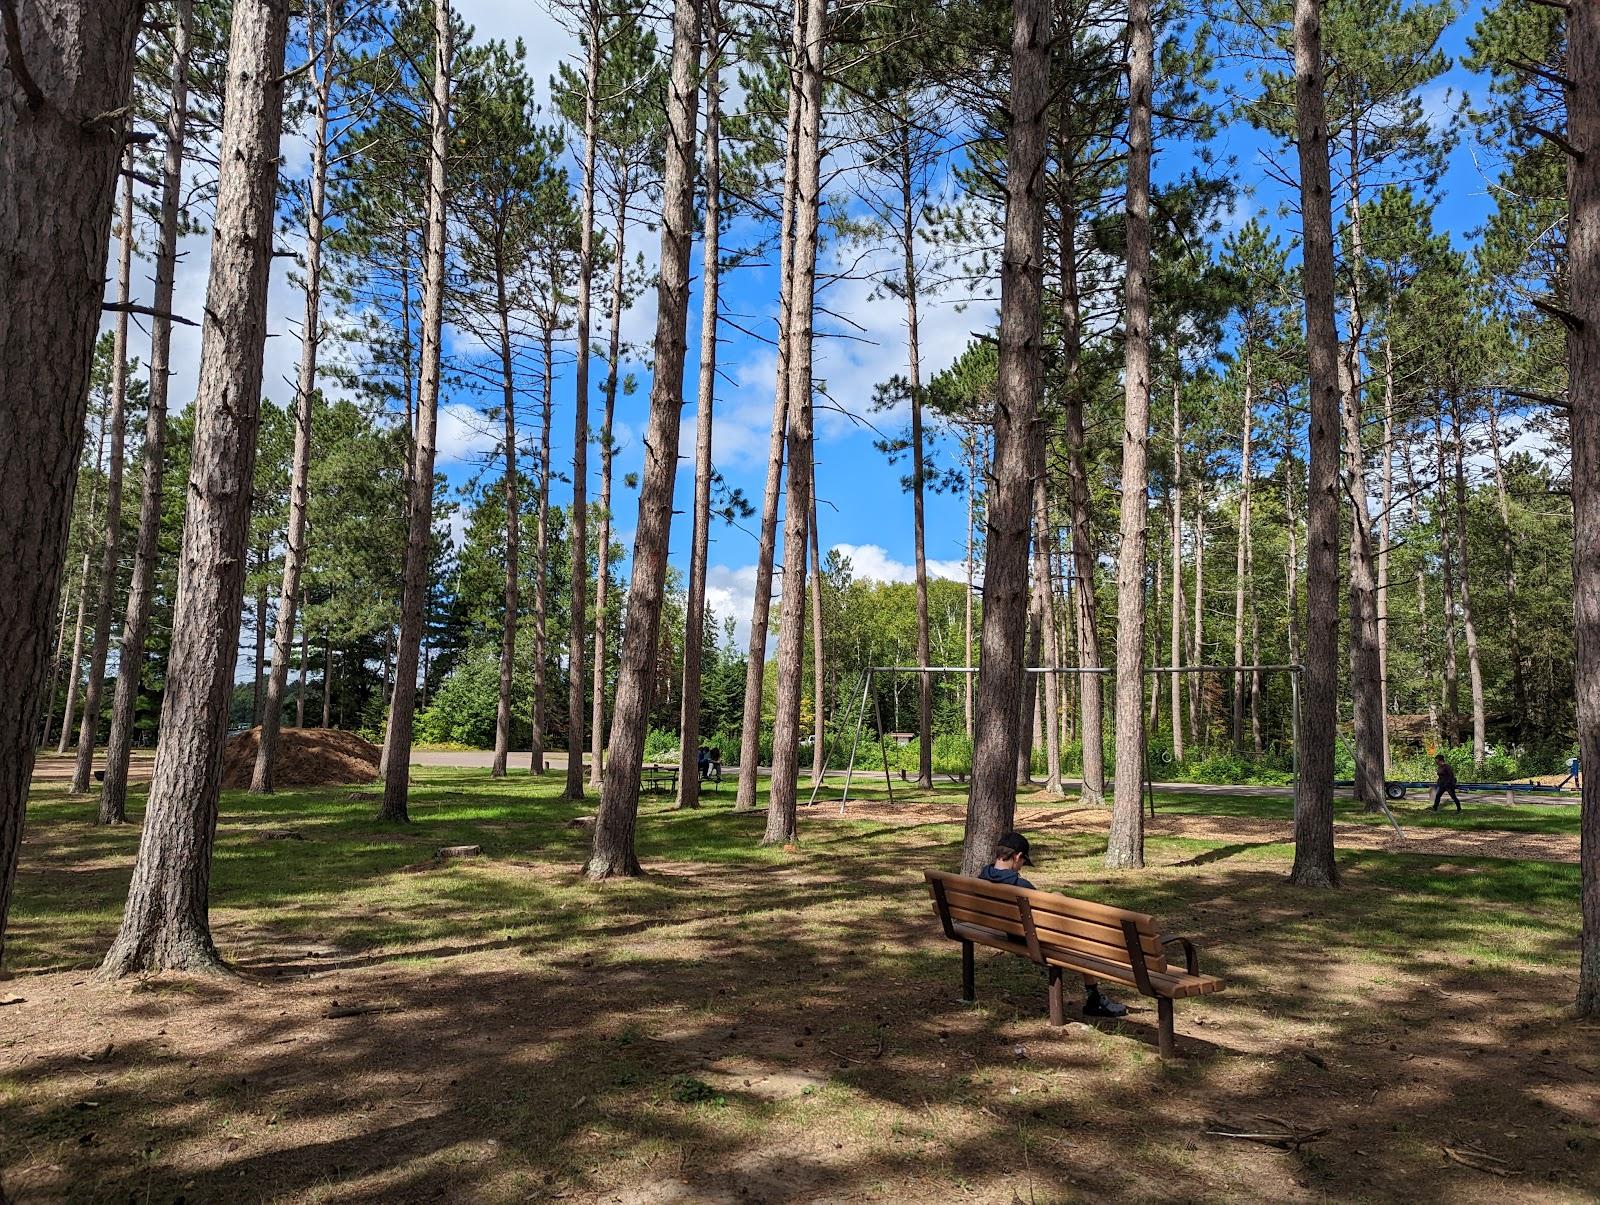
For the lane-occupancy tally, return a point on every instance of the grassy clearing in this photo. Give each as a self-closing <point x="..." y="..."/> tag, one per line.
<point x="746" y="1024"/>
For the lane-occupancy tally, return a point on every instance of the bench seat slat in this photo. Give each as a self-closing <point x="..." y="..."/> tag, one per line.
<point x="1055" y="920"/>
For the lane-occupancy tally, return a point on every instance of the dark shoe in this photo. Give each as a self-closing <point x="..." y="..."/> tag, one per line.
<point x="1098" y="1005"/>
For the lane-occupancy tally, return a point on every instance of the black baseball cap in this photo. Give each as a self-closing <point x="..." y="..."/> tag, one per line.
<point x="1016" y="843"/>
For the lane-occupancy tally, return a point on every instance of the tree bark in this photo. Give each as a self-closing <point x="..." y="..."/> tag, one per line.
<point x="1240" y="559"/>
<point x="294" y="553"/>
<point x="1085" y="613"/>
<point x="602" y="573"/>
<point x="1047" y="610"/>
<point x="1126" y="845"/>
<point x="1313" y="810"/>
<point x="908" y="259"/>
<point x="783" y="787"/>
<point x="761" y="605"/>
<point x="1366" y="670"/>
<point x="992" y="800"/>
<point x="1583" y="360"/>
<point x="1469" y="625"/>
<point x="1175" y="497"/>
<point x="541" y="563"/>
<point x="508" y="626"/>
<point x="75" y="669"/>
<point x="966" y="679"/>
<point x="260" y="628"/>
<point x="1452" y="689"/>
<point x="165" y="925"/>
<point x="111" y="541"/>
<point x="419" y="537"/>
<point x="814" y="587"/>
<point x="613" y="852"/>
<point x="705" y="399"/>
<point x="1199" y="721"/>
<point x="1385" y="538"/>
<point x="305" y="658"/>
<point x="1241" y="682"/>
<point x="1519" y="682"/>
<point x="578" y="515"/>
<point x="327" y="678"/>
<point x="58" y="175"/>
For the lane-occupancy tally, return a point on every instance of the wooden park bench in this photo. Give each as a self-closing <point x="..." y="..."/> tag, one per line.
<point x="1064" y="934"/>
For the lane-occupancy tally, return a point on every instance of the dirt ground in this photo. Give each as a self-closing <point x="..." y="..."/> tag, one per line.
<point x="789" y="1031"/>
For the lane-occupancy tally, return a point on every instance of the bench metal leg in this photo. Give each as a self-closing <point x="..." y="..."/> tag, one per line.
<point x="1164" y="1026"/>
<point x="969" y="991"/>
<point x="1058" y="1004"/>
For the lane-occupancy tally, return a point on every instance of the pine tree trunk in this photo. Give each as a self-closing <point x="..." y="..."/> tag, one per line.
<point x="1583" y="361"/>
<point x="260" y="628"/>
<point x="58" y="175"/>
<point x="783" y="787"/>
<point x="419" y="537"/>
<point x="1085" y="613"/>
<point x="541" y="563"/>
<point x="1425" y="635"/>
<point x="1030" y="687"/>
<point x="1519" y="682"/>
<point x="165" y="925"/>
<point x="1241" y="682"/>
<point x="1199" y="721"/>
<point x="1050" y="651"/>
<point x="966" y="678"/>
<point x="1468" y="622"/>
<point x="908" y="260"/>
<point x="1313" y="810"/>
<point x="1291" y="568"/>
<point x="1126" y="844"/>
<point x="327" y="678"/>
<point x="55" y="668"/>
<point x="300" y="694"/>
<point x="992" y="800"/>
<point x="814" y="587"/>
<point x="508" y="626"/>
<point x="602" y="578"/>
<point x="761" y="605"/>
<point x="694" y="627"/>
<point x="1452" y="689"/>
<point x="70" y="712"/>
<point x="111" y="539"/>
<point x="613" y="852"/>
<point x="294" y="553"/>
<point x="578" y="514"/>
<point x="1385" y="537"/>
<point x="1175" y="683"/>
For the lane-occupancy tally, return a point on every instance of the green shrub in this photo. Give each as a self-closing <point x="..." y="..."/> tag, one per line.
<point x="659" y="743"/>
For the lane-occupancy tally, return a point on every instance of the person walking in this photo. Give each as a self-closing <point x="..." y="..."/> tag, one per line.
<point x="1574" y="775"/>
<point x="1444" y="782"/>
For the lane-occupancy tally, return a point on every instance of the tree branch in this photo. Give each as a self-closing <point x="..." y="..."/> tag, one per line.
<point x="118" y="307"/>
<point x="1552" y="136"/>
<point x="1564" y="316"/>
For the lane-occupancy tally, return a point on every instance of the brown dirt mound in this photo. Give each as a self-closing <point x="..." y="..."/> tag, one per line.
<point x="307" y="757"/>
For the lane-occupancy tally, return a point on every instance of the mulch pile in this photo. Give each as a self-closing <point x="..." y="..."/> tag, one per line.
<point x="307" y="757"/>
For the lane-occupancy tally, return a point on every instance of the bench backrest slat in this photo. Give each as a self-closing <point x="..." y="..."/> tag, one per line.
<point x="1047" y="922"/>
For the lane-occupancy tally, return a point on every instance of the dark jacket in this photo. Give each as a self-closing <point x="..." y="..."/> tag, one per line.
<point x="1447" y="776"/>
<point x="994" y="874"/>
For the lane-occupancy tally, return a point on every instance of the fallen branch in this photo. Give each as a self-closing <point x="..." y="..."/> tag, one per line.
<point x="1287" y="1138"/>
<point x="360" y="1010"/>
<point x="1479" y="1161"/>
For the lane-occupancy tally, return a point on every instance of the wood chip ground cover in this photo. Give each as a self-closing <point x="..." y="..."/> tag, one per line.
<point x="497" y="1029"/>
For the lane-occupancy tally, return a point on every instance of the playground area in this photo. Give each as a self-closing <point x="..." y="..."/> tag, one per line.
<point x="746" y="1024"/>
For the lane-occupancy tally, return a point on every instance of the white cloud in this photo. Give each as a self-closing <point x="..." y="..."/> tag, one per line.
<point x="464" y="435"/>
<point x="873" y="562"/>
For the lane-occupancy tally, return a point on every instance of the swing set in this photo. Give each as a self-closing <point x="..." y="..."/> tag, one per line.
<point x="874" y="671"/>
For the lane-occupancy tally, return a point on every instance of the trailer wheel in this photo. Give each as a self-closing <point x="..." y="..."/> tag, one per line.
<point x="1394" y="790"/>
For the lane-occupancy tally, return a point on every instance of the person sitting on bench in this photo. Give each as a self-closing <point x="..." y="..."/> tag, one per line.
<point x="1010" y="855"/>
<point x="703" y="760"/>
<point x="1446" y="783"/>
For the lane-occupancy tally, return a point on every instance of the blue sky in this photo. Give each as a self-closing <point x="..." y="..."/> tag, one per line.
<point x="864" y="510"/>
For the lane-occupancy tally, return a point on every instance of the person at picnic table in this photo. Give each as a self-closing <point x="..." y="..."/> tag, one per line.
<point x="704" y="762"/>
<point x="1574" y="775"/>
<point x="1010" y="856"/>
<point x="1445" y="781"/>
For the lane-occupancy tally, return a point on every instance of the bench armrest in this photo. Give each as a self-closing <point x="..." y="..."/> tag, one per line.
<point x="1191" y="956"/>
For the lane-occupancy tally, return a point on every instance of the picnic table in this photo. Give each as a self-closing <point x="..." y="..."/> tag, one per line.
<point x="661" y="779"/>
